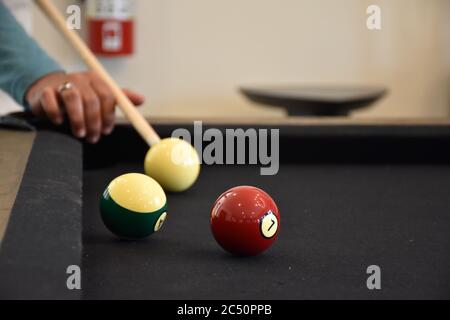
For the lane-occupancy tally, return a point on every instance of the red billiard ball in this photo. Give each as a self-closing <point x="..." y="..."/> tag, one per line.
<point x="245" y="221"/>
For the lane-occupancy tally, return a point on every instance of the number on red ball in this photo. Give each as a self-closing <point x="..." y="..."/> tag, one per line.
<point x="245" y="220"/>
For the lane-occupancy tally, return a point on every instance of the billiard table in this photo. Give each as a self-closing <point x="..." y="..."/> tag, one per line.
<point x="351" y="194"/>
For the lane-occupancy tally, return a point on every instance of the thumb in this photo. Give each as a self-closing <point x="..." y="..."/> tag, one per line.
<point x="136" y="98"/>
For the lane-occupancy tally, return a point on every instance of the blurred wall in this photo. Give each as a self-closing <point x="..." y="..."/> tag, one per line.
<point x="193" y="54"/>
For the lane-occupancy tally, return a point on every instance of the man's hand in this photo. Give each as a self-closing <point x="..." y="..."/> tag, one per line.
<point x="89" y="104"/>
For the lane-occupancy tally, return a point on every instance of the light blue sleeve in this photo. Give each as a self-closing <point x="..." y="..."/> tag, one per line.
<point x="22" y="61"/>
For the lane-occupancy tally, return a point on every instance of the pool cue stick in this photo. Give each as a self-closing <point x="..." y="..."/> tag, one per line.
<point x="137" y="120"/>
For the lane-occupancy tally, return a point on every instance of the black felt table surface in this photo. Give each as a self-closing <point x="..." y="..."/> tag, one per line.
<point x="43" y="236"/>
<point x="349" y="197"/>
<point x="336" y="220"/>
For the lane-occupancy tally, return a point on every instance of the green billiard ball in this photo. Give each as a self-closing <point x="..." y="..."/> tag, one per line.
<point x="133" y="206"/>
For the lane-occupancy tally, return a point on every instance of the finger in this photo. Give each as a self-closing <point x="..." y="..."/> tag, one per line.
<point x="107" y="105"/>
<point x="37" y="110"/>
<point x="136" y="98"/>
<point x="92" y="114"/>
<point x="50" y="105"/>
<point x="36" y="106"/>
<point x="74" y="109"/>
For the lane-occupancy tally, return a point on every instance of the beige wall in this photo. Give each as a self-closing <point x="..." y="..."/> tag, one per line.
<point x="193" y="54"/>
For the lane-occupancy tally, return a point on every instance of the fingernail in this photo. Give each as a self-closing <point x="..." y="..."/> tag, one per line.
<point x="93" y="140"/>
<point x="81" y="133"/>
<point x="59" y="121"/>
<point x="107" y="131"/>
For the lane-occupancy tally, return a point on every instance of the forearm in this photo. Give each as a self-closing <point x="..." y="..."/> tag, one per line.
<point x="22" y="61"/>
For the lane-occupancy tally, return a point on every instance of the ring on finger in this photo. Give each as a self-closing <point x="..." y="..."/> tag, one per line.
<point x="65" y="86"/>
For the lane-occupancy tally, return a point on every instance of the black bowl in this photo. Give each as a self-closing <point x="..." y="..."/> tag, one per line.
<point x="315" y="100"/>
